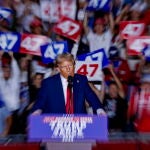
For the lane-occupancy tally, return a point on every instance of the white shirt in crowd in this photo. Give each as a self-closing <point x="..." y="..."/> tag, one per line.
<point x="97" y="41"/>
<point x="10" y="88"/>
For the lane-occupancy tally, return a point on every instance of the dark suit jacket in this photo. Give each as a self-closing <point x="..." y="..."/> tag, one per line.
<point x="51" y="96"/>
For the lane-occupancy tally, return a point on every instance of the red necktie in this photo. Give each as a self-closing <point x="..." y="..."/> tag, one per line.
<point x="69" y="103"/>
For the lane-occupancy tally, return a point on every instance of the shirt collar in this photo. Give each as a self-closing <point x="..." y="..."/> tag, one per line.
<point x="64" y="80"/>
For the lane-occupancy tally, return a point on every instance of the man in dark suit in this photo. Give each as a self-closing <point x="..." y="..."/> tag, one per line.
<point x="53" y="96"/>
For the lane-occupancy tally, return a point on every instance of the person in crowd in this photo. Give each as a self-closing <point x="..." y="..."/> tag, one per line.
<point x="7" y="20"/>
<point x="117" y="6"/>
<point x="81" y="5"/>
<point x="139" y="107"/>
<point x="143" y="67"/>
<point x="10" y="84"/>
<point x="9" y="81"/>
<point x="21" y="117"/>
<point x="36" y="26"/>
<point x="18" y="117"/>
<point x="101" y="35"/>
<point x="5" y="119"/>
<point x="25" y="75"/>
<point x="121" y="68"/>
<point x="132" y="12"/>
<point x="115" y="104"/>
<point x="26" y="10"/>
<point x="56" y="95"/>
<point x="34" y="88"/>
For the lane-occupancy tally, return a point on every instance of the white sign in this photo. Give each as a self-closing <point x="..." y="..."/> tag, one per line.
<point x="90" y="69"/>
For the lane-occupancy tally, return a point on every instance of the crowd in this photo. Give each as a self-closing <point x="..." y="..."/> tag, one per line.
<point x="125" y="88"/>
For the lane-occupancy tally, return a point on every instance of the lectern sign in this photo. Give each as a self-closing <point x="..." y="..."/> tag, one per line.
<point x="67" y="128"/>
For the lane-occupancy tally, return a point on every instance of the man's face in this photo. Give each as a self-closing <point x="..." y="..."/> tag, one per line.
<point x="6" y="73"/>
<point x="66" y="68"/>
<point x="37" y="80"/>
<point x="113" y="90"/>
<point x="23" y="63"/>
<point x="145" y="86"/>
<point x="99" y="28"/>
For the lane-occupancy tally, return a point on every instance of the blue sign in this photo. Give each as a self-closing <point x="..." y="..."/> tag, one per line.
<point x="10" y="41"/>
<point x="50" y="51"/>
<point x="98" y="55"/>
<point x="67" y="128"/>
<point x="6" y="13"/>
<point x="94" y="5"/>
<point x="146" y="52"/>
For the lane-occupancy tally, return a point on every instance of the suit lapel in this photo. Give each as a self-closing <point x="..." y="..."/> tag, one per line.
<point x="76" y="88"/>
<point x="61" y="92"/>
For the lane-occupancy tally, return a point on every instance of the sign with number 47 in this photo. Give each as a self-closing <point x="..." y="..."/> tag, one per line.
<point x="90" y="69"/>
<point x="50" y="51"/>
<point x="10" y="41"/>
<point x="31" y="43"/>
<point x="68" y="28"/>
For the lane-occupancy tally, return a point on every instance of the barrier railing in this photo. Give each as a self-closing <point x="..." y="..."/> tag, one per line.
<point x="117" y="141"/>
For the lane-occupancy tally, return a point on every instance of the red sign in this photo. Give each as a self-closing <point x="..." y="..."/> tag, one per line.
<point x="68" y="8"/>
<point x="30" y="44"/>
<point x="131" y="29"/>
<point x="90" y="69"/>
<point x="52" y="10"/>
<point x="137" y="44"/>
<point x="68" y="28"/>
<point x="45" y="10"/>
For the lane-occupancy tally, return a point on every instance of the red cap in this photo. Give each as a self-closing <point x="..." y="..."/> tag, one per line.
<point x="6" y="62"/>
<point x="36" y="22"/>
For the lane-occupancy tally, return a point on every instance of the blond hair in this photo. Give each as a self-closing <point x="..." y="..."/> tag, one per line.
<point x="64" y="57"/>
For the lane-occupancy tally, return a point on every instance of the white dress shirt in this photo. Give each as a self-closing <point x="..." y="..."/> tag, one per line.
<point x="64" y="84"/>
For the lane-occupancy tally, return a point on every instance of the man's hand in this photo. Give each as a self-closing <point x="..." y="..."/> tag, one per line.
<point x="101" y="111"/>
<point x="37" y="112"/>
<point x="11" y="54"/>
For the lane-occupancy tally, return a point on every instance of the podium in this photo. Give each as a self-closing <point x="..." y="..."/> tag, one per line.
<point x="70" y="145"/>
<point x="72" y="132"/>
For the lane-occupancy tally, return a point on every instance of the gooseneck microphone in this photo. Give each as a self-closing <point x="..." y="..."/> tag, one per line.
<point x="70" y="81"/>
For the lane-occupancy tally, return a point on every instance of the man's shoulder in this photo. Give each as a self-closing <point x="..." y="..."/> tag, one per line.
<point x="51" y="78"/>
<point x="79" y="76"/>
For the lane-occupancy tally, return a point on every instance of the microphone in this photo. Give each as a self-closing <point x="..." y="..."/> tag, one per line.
<point x="70" y="81"/>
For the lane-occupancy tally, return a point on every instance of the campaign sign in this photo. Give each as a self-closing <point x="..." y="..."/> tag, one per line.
<point x="68" y="8"/>
<point x="45" y="10"/>
<point x="6" y="13"/>
<point x="146" y="52"/>
<point x="90" y="69"/>
<point x="54" y="10"/>
<point x="67" y="128"/>
<point x="131" y="29"/>
<point x="68" y="28"/>
<point x="94" y="5"/>
<point x="30" y="44"/>
<point x="10" y="41"/>
<point x="137" y="44"/>
<point x="50" y="51"/>
<point x="91" y="65"/>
